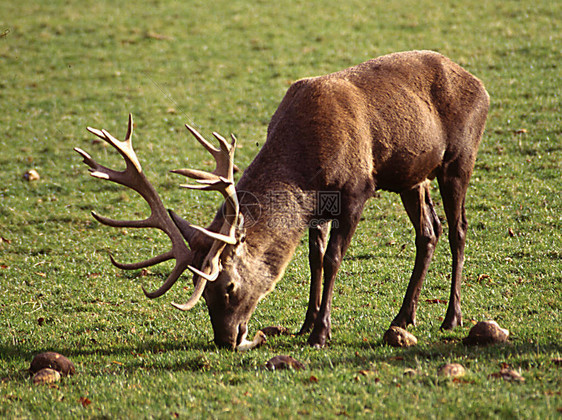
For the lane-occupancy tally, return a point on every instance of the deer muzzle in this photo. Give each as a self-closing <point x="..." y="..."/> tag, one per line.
<point x="235" y="339"/>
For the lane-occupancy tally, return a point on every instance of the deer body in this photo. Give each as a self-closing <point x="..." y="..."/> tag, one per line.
<point x="391" y="123"/>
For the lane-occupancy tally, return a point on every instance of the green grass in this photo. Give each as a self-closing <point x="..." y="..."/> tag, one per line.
<point x="224" y="66"/>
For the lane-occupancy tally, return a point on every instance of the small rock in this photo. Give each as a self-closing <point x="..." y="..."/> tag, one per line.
<point x="46" y="376"/>
<point x="366" y="372"/>
<point x="399" y="337"/>
<point x="410" y="372"/>
<point x="52" y="360"/>
<point x="273" y="331"/>
<point x="31" y="175"/>
<point x="283" y="362"/>
<point x="486" y="332"/>
<point x="453" y="370"/>
<point x="508" y="375"/>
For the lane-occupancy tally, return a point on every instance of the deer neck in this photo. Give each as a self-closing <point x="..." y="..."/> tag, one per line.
<point x="276" y="214"/>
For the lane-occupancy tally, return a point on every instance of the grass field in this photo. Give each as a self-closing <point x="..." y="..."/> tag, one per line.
<point x="224" y="66"/>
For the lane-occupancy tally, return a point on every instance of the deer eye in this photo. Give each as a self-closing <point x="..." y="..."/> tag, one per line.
<point x="229" y="289"/>
<point x="228" y="295"/>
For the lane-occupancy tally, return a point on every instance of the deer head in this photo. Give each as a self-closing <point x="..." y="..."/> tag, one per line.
<point x="210" y="253"/>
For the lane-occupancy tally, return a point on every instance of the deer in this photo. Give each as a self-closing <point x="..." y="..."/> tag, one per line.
<point x="393" y="123"/>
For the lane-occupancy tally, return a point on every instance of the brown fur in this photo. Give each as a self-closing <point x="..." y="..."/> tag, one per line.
<point x="390" y="123"/>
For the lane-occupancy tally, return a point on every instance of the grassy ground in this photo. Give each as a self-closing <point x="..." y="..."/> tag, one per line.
<point x="224" y="66"/>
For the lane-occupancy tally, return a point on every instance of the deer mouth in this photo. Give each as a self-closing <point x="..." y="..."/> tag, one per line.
<point x="232" y="338"/>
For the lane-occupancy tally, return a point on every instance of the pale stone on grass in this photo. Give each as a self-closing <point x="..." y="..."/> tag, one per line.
<point x="452" y="370"/>
<point x="46" y="376"/>
<point x="399" y="337"/>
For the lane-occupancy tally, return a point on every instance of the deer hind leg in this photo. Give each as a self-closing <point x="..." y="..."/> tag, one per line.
<point x="317" y="241"/>
<point x="341" y="232"/>
<point x="453" y="191"/>
<point x="428" y="228"/>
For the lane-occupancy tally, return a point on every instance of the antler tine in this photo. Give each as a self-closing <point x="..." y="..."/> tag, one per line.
<point x="223" y="156"/>
<point x="211" y="270"/>
<point x="199" y="288"/>
<point x="222" y="180"/>
<point x="226" y="158"/>
<point x="129" y="135"/>
<point x="142" y="264"/>
<point x="178" y="270"/>
<point x="196" y="174"/>
<point x="222" y="141"/>
<point x="134" y="178"/>
<point x="210" y="148"/>
<point x="125" y="148"/>
<point x="121" y="223"/>
<point x="214" y="235"/>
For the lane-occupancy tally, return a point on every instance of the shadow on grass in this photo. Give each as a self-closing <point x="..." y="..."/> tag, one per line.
<point x="364" y="353"/>
<point x="144" y="355"/>
<point x="361" y="257"/>
<point x="23" y="355"/>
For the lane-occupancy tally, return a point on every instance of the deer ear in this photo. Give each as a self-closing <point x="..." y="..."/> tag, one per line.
<point x="184" y="226"/>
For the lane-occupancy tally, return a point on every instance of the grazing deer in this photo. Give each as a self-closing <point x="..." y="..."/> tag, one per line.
<point x="392" y="123"/>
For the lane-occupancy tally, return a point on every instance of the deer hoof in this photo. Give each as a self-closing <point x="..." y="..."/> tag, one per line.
<point x="317" y="341"/>
<point x="306" y="327"/>
<point x="403" y="320"/>
<point x="451" y="322"/>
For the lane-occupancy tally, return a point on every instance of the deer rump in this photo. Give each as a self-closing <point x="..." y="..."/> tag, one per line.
<point x="391" y="123"/>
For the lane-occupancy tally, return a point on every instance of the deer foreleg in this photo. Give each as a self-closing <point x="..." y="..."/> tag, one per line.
<point x="340" y="236"/>
<point x="317" y="240"/>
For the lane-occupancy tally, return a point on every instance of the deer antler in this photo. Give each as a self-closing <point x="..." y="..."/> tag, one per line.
<point x="221" y="180"/>
<point x="134" y="178"/>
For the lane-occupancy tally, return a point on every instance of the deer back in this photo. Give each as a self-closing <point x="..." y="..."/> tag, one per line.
<point x="386" y="124"/>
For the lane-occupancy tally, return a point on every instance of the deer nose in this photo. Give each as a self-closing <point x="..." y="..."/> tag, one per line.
<point x="226" y="344"/>
<point x="230" y="337"/>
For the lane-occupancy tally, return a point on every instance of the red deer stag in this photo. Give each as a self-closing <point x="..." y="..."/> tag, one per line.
<point x="392" y="123"/>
